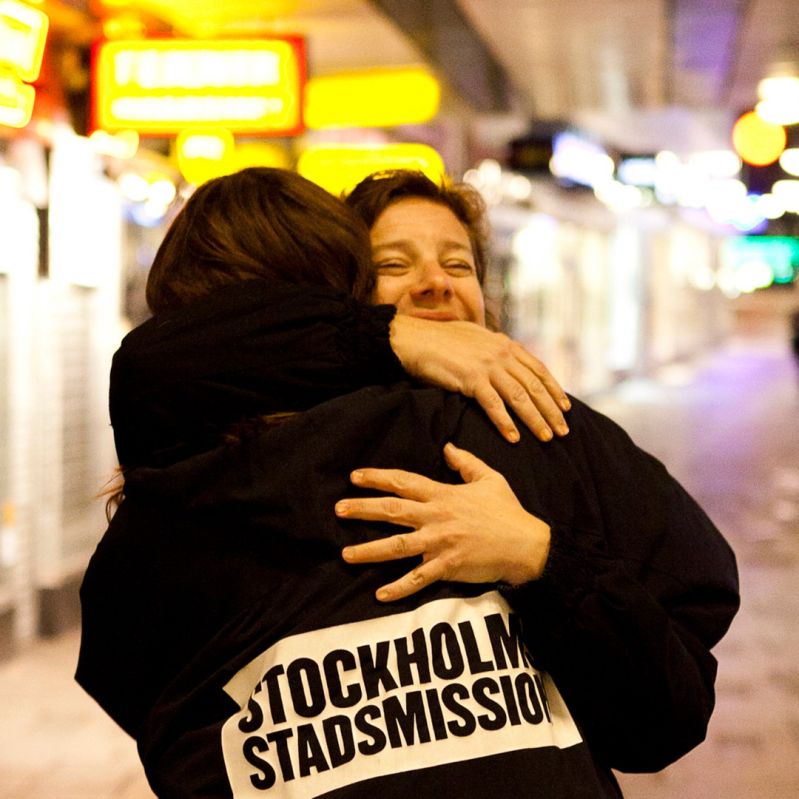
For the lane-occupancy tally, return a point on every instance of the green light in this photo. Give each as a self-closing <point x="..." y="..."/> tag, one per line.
<point x="780" y="253"/>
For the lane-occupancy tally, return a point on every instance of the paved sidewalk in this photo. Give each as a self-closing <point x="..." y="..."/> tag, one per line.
<point x="729" y="433"/>
<point x="728" y="430"/>
<point x="55" y="743"/>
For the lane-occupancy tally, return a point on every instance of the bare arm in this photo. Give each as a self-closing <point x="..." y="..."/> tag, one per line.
<point x="490" y="367"/>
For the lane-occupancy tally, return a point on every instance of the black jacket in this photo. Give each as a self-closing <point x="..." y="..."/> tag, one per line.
<point x="223" y="630"/>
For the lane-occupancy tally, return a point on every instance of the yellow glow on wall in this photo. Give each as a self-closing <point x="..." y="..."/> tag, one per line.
<point x="203" y="155"/>
<point x="16" y="100"/>
<point x="372" y="98"/>
<point x="23" y="31"/>
<point x="338" y="168"/>
<point x="249" y="154"/>
<point x="161" y="86"/>
<point x="206" y="154"/>
<point x="758" y="142"/>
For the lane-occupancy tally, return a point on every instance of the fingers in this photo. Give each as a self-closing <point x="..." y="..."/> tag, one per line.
<point x="536" y="398"/>
<point x="534" y="394"/>
<point x="394" y="510"/>
<point x="539" y="369"/>
<point x="518" y="396"/>
<point x="395" y="547"/>
<point x="415" y="580"/>
<point x="471" y="468"/>
<point x="534" y="403"/>
<point x="408" y="485"/>
<point x="491" y="402"/>
<point x="528" y="399"/>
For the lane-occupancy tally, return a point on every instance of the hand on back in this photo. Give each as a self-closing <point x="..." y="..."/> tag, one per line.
<point x="475" y="532"/>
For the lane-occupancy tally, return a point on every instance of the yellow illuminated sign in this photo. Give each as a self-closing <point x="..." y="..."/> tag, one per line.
<point x="161" y="86"/>
<point x="16" y="100"/>
<point x="255" y="153"/>
<point x="372" y="98"/>
<point x="339" y="168"/>
<point x="203" y="154"/>
<point x="23" y="31"/>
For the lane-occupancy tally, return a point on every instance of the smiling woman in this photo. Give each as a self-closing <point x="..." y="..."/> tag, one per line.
<point x="424" y="263"/>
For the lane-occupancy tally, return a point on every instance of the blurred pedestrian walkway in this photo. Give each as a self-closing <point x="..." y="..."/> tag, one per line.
<point x="729" y="432"/>
<point x="727" y="428"/>
<point x="55" y="743"/>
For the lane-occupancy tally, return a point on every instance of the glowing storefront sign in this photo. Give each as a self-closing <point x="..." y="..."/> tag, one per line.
<point x="372" y="98"/>
<point x="23" y="31"/>
<point x="161" y="86"/>
<point x="780" y="254"/>
<point x="16" y="100"/>
<point x="339" y="168"/>
<point x="203" y="154"/>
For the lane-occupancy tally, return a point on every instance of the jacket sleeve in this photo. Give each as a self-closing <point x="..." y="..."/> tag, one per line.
<point x="638" y="588"/>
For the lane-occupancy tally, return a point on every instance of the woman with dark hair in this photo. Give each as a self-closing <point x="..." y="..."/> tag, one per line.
<point x="222" y="628"/>
<point x="375" y="193"/>
<point x="251" y="225"/>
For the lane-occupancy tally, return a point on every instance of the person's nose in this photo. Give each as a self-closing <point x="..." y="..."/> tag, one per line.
<point x="434" y="283"/>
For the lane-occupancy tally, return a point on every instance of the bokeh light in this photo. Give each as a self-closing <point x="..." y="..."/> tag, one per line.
<point x="758" y="142"/>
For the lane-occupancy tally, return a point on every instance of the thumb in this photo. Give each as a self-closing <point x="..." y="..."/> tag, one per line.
<point x="471" y="468"/>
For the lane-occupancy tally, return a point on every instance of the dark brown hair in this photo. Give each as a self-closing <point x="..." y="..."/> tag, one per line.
<point x="377" y="191"/>
<point x="259" y="223"/>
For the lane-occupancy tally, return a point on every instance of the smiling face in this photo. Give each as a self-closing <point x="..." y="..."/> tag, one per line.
<point x="424" y="262"/>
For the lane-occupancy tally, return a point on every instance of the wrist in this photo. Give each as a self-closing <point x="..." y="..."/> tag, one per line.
<point x="405" y="334"/>
<point x="531" y="556"/>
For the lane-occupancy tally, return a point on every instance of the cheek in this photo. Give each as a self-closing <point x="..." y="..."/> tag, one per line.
<point x="385" y="291"/>
<point x="473" y="301"/>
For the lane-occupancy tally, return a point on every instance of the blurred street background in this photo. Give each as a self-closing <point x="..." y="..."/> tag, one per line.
<point x="640" y="163"/>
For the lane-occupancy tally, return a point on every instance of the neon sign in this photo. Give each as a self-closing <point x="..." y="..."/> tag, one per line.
<point x="161" y="86"/>
<point x="16" y="100"/>
<point x="23" y="31"/>
<point x="372" y="98"/>
<point x="339" y="168"/>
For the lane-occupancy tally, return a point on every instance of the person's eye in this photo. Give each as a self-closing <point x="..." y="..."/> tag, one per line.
<point x="459" y="268"/>
<point x="391" y="267"/>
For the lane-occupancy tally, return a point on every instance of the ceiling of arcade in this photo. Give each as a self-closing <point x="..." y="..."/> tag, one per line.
<point x="634" y="71"/>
